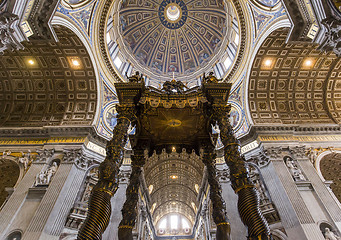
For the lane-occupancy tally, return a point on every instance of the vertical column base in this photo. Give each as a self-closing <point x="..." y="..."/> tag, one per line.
<point x="98" y="216"/>
<point x="223" y="231"/>
<point x="248" y="206"/>
<point x="125" y="233"/>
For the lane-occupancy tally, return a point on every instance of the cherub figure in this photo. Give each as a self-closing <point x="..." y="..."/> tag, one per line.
<point x="173" y="87"/>
<point x="25" y="160"/>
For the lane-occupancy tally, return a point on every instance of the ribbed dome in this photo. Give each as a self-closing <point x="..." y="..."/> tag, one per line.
<point x="180" y="36"/>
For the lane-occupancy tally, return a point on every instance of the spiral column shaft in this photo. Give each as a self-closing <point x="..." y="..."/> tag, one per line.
<point x="219" y="210"/>
<point x="99" y="206"/>
<point x="129" y="210"/>
<point x="248" y="200"/>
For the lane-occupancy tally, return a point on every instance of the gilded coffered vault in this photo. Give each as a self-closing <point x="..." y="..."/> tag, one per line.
<point x="293" y="83"/>
<point x="42" y="86"/>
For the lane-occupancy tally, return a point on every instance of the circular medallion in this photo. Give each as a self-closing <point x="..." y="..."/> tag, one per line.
<point x="173" y="13"/>
<point x="110" y="119"/>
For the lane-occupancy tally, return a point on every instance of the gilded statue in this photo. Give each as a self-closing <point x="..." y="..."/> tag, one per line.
<point x="210" y="78"/>
<point x="136" y="78"/>
<point x="173" y="87"/>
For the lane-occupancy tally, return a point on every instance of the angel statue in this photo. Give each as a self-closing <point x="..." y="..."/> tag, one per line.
<point x="135" y="78"/>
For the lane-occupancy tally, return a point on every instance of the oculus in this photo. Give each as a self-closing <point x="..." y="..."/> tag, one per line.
<point x="173" y="15"/>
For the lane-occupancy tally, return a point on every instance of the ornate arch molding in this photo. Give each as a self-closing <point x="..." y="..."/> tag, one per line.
<point x="244" y="20"/>
<point x="279" y="234"/>
<point x="282" y="23"/>
<point x="59" y="19"/>
<point x="321" y="157"/>
<point x="20" y="166"/>
<point x="9" y="168"/>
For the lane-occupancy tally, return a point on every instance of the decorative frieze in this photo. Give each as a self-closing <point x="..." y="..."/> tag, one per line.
<point x="7" y="38"/>
<point x="44" y="155"/>
<point x="78" y="157"/>
<point x="260" y="159"/>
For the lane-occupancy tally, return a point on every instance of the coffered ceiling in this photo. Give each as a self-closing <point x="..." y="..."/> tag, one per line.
<point x="294" y="83"/>
<point x="48" y="84"/>
<point x="173" y="178"/>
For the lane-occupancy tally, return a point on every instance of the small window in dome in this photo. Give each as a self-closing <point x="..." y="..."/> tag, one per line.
<point x="108" y="37"/>
<point x="236" y="39"/>
<point x="227" y="63"/>
<point x="118" y="62"/>
<point x="185" y="223"/>
<point x="163" y="223"/>
<point x="174" y="221"/>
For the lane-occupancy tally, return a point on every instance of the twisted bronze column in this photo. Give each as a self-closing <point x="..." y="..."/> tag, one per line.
<point x="248" y="200"/>
<point x="99" y="206"/>
<point x="129" y="210"/>
<point x="219" y="210"/>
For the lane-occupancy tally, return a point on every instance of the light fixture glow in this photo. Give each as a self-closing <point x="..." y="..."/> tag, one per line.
<point x="174" y="177"/>
<point x="173" y="12"/>
<point x="75" y="62"/>
<point x="31" y="61"/>
<point x="267" y="63"/>
<point x="174" y="221"/>
<point x="308" y="63"/>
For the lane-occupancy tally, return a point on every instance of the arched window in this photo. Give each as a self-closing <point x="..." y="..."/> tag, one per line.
<point x="330" y="166"/>
<point x="9" y="174"/>
<point x="173" y="224"/>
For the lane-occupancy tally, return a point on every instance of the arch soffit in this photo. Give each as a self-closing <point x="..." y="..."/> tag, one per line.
<point x="41" y="85"/>
<point x="59" y="19"/>
<point x="288" y="91"/>
<point x="280" y="23"/>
